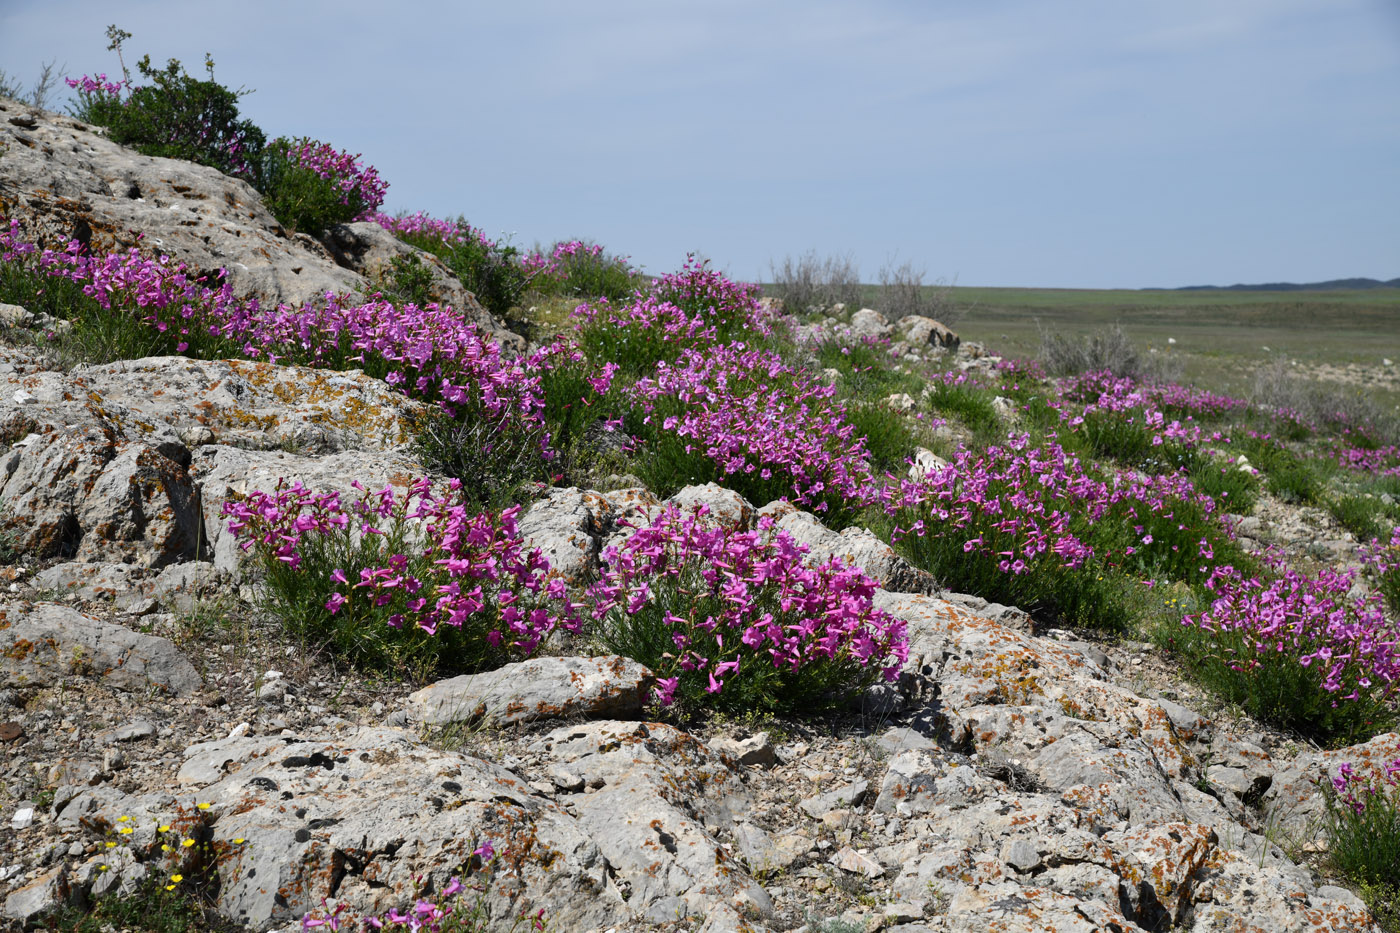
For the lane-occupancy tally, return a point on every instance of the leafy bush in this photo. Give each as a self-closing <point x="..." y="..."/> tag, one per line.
<point x="308" y="185"/>
<point x="889" y="437"/>
<point x="1236" y="490"/>
<point x="745" y="419"/>
<point x="733" y="620"/>
<point x="730" y="309"/>
<point x="903" y="292"/>
<point x="809" y="282"/>
<point x="1297" y="652"/>
<point x="175" y="116"/>
<point x="1288" y="475"/>
<point x="866" y="368"/>
<point x="638" y="334"/>
<point x="1107" y="350"/>
<point x="400" y="579"/>
<point x="408" y="280"/>
<point x="496" y="459"/>
<point x="964" y="401"/>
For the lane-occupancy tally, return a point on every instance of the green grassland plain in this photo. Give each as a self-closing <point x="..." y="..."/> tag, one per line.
<point x="1220" y="336"/>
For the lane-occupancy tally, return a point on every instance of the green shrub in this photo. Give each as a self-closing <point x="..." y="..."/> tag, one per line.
<point x="1288" y="475"/>
<point x="408" y="280"/>
<point x="866" y="369"/>
<point x="180" y="117"/>
<point x="300" y="198"/>
<point x="580" y="269"/>
<point x="496" y="460"/>
<point x="1234" y="489"/>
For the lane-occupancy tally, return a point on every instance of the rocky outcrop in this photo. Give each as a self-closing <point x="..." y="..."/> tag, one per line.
<point x="65" y="180"/>
<point x="131" y="461"/>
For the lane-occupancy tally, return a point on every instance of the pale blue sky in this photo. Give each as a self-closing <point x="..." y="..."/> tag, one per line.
<point x="1001" y="142"/>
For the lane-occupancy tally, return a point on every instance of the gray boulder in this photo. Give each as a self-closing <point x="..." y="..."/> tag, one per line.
<point x="537" y="689"/>
<point x="42" y="643"/>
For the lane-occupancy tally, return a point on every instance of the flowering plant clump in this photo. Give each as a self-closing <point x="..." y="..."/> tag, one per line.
<point x="163" y="875"/>
<point x="402" y="576"/>
<point x="735" y="619"/>
<point x="731" y="308"/>
<point x="638" y="334"/>
<point x="99" y="100"/>
<point x="1363" y="829"/>
<point x="1298" y="651"/>
<point x="309" y="185"/>
<point x="584" y="270"/>
<point x="1382" y="560"/>
<point x="746" y="419"/>
<point x="432" y="353"/>
<point x="1035" y="525"/>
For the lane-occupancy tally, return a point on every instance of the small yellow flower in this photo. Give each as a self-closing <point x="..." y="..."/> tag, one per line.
<point x="176" y="879"/>
<point x="123" y="819"/>
<point x="239" y="842"/>
<point x="162" y="848"/>
<point x="126" y="830"/>
<point x="111" y="845"/>
<point x="170" y="887"/>
<point x="163" y="829"/>
<point x="101" y="867"/>
<point x="202" y="806"/>
<point x="187" y="843"/>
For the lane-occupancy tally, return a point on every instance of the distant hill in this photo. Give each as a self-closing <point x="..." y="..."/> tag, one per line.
<point x="1333" y="285"/>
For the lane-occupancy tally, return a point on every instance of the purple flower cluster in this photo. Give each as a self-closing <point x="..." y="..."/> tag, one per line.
<point x="734" y="601"/>
<point x="431" y="352"/>
<point x="732" y="308"/>
<point x="451" y="232"/>
<point x="98" y="85"/>
<point x="468" y="571"/>
<point x="751" y="413"/>
<point x="1309" y="620"/>
<point x="1358" y="789"/>
<point x="556" y="262"/>
<point x="359" y="185"/>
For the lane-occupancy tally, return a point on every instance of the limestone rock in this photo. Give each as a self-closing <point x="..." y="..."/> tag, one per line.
<point x="869" y="323"/>
<point x="537" y="689"/>
<point x="246" y="403"/>
<point x="924" y="331"/>
<point x="43" y="642"/>
<point x="857" y="545"/>
<point x="568" y="526"/>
